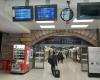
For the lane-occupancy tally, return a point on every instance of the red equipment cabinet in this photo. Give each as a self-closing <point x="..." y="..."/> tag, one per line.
<point x="6" y="65"/>
<point x="20" y="62"/>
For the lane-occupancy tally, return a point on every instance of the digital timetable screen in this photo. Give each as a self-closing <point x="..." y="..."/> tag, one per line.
<point x="23" y="13"/>
<point x="45" y="12"/>
<point x="88" y="10"/>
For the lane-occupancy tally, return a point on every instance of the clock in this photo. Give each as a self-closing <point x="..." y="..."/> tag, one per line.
<point x="66" y="14"/>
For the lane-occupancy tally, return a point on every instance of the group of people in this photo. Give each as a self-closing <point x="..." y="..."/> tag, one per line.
<point x="54" y="60"/>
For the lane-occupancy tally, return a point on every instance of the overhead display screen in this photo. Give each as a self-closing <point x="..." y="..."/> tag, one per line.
<point x="23" y="13"/>
<point x="46" y="12"/>
<point x="88" y="10"/>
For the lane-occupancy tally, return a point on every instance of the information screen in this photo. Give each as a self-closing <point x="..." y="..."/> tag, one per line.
<point x="88" y="10"/>
<point x="45" y="12"/>
<point x="23" y="13"/>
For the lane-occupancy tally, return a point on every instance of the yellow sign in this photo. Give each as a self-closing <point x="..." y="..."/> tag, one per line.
<point x="26" y="39"/>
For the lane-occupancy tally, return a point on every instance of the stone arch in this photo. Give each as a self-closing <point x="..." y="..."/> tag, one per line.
<point x="47" y="34"/>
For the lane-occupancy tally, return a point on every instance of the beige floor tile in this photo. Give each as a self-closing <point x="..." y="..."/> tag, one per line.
<point x="69" y="71"/>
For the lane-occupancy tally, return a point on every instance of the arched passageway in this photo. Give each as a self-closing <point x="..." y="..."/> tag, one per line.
<point x="88" y="35"/>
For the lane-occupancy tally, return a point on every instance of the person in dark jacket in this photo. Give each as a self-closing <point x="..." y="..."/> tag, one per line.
<point x="53" y="61"/>
<point x="60" y="57"/>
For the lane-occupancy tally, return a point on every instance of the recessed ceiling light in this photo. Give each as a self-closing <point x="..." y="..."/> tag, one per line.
<point x="47" y="26"/>
<point x="79" y="26"/>
<point x="90" y="20"/>
<point x="44" y="21"/>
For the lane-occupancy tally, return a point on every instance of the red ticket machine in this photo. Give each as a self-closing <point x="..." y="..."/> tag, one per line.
<point x="20" y="62"/>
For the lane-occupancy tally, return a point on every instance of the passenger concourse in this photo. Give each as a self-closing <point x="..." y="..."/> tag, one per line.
<point x="70" y="70"/>
<point x="49" y="39"/>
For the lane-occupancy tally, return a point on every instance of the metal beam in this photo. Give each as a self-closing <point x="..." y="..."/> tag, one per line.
<point x="47" y="1"/>
<point x="26" y="2"/>
<point x="98" y="42"/>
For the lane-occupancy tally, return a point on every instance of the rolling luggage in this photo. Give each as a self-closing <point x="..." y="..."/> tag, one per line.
<point x="57" y="73"/>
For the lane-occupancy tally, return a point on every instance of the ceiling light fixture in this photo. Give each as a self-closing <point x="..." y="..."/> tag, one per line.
<point x="44" y="21"/>
<point x="79" y="26"/>
<point x="89" y="20"/>
<point x="47" y="26"/>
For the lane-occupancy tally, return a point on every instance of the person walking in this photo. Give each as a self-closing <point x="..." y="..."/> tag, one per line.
<point x="60" y="57"/>
<point x="53" y="61"/>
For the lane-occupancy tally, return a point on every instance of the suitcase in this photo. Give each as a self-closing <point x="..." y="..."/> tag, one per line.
<point x="57" y="73"/>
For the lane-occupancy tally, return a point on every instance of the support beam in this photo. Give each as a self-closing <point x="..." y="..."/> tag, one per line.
<point x="26" y="2"/>
<point x="47" y="1"/>
<point x="98" y="42"/>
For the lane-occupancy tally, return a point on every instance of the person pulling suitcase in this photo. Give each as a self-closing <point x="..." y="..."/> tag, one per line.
<point x="52" y="60"/>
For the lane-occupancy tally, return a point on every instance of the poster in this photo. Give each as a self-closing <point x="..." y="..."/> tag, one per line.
<point x="94" y="59"/>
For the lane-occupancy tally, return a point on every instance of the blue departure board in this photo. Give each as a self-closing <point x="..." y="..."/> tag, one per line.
<point x="23" y="13"/>
<point x="45" y="12"/>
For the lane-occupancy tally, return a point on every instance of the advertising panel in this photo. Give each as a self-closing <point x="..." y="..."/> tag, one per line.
<point x="94" y="59"/>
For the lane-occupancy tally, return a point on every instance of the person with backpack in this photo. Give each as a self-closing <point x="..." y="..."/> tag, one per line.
<point x="52" y="59"/>
<point x="60" y="57"/>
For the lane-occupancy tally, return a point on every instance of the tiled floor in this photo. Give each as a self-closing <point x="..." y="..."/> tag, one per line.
<point x="69" y="71"/>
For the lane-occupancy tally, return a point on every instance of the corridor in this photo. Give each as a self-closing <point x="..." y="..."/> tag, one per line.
<point x="69" y="71"/>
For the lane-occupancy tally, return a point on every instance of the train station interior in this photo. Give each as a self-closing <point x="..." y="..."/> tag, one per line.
<point x="33" y="30"/>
